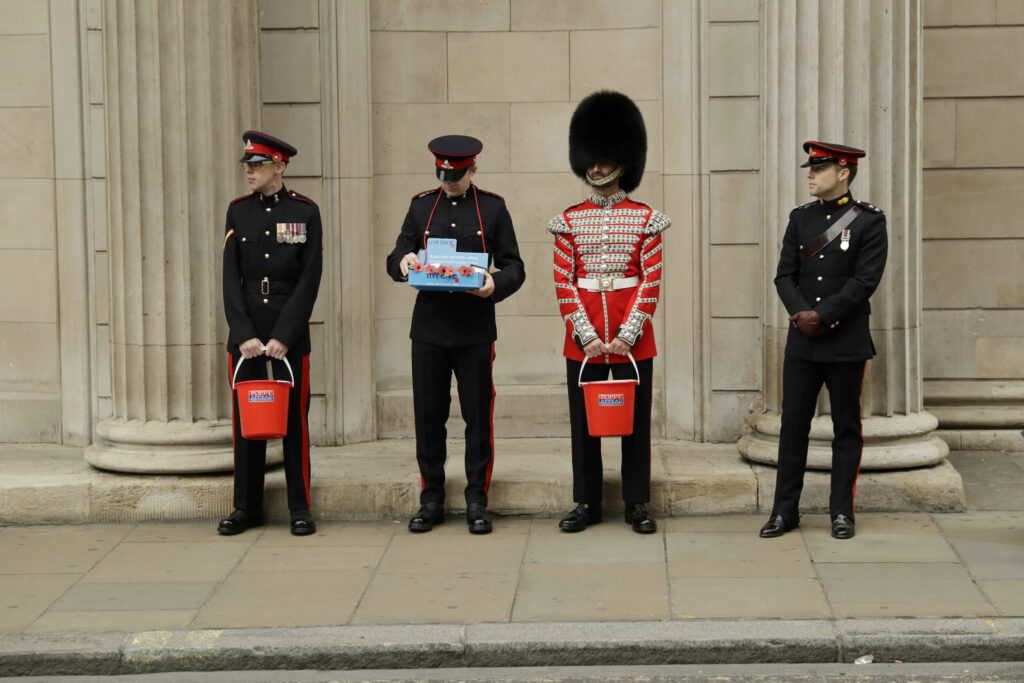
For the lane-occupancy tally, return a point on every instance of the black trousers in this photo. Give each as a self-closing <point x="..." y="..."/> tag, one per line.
<point x="251" y="456"/>
<point x="432" y="368"/>
<point x="586" y="449"/>
<point x="801" y="383"/>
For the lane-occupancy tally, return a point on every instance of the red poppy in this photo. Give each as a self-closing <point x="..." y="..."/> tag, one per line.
<point x="418" y="267"/>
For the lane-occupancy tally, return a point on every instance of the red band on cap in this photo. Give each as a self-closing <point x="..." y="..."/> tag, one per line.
<point x="272" y="152"/>
<point x="449" y="165"/>
<point x="841" y="159"/>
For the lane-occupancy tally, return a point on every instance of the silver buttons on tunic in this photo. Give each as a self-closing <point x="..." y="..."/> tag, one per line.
<point x="268" y="256"/>
<point x="453" y="225"/>
<point x="266" y="301"/>
<point x="819" y="278"/>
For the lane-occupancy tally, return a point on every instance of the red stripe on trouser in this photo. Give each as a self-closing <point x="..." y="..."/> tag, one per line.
<point x="234" y="413"/>
<point x="490" y="464"/>
<point x="305" y="426"/>
<point x="860" y="418"/>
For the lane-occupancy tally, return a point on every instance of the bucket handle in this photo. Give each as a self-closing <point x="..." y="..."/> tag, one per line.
<point x="631" y="360"/>
<point x="239" y="367"/>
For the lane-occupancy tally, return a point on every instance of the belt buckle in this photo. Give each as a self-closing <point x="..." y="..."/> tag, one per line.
<point x="605" y="284"/>
<point x="265" y="286"/>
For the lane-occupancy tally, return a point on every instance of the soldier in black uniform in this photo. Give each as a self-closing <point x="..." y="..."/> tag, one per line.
<point x="273" y="258"/>
<point x="455" y="331"/>
<point x="833" y="255"/>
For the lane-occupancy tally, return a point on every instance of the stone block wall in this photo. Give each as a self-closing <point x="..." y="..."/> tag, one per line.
<point x="509" y="73"/>
<point x="29" y="337"/>
<point x="290" y="90"/>
<point x="973" y="251"/>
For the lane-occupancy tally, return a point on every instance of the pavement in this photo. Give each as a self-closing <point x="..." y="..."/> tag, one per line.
<point x="145" y="597"/>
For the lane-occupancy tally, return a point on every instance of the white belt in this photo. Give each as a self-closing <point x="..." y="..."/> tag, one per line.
<point x="607" y="284"/>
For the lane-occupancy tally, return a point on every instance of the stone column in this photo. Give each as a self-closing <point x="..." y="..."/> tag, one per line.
<point x="182" y="83"/>
<point x="348" y="219"/>
<point x="850" y="72"/>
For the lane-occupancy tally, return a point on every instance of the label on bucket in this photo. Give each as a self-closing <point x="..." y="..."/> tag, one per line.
<point x="611" y="400"/>
<point x="261" y="396"/>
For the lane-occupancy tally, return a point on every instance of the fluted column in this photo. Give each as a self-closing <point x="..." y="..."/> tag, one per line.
<point x="182" y="83"/>
<point x="348" y="216"/>
<point x="850" y="72"/>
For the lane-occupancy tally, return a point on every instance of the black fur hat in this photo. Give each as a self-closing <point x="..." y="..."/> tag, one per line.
<point x="608" y="126"/>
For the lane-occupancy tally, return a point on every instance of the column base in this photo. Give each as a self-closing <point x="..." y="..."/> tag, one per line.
<point x="890" y="443"/>
<point x="175" y="447"/>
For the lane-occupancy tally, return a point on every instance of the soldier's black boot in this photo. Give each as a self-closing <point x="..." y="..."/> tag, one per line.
<point x="237" y="522"/>
<point x="428" y="515"/>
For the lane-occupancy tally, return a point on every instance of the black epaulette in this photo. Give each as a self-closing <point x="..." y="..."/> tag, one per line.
<point x="868" y="207"/>
<point x="425" y="194"/>
<point x="244" y="196"/>
<point x="301" y="197"/>
<point x="804" y="206"/>
<point x="493" y="194"/>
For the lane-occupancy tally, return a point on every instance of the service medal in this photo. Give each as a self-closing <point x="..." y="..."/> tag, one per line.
<point x="280" y="232"/>
<point x="845" y="244"/>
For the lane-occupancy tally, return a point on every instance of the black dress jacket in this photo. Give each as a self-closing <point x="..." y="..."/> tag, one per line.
<point x="452" y="319"/>
<point x="834" y="282"/>
<point x="270" y="286"/>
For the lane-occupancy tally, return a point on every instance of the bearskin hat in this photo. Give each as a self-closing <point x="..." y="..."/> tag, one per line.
<point x="608" y="126"/>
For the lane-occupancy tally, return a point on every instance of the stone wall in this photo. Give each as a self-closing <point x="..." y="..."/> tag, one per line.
<point x="973" y="158"/>
<point x="360" y="86"/>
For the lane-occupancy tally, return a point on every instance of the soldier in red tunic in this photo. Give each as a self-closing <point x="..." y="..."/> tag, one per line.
<point x="607" y="268"/>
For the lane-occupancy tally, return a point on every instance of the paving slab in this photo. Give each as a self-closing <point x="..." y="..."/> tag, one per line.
<point x="106" y="597"/>
<point x="902" y="590"/>
<point x="732" y="555"/>
<point x="168" y="561"/>
<point x="311" y="597"/>
<point x="607" y="542"/>
<point x="880" y="538"/>
<point x="112" y="620"/>
<point x="24" y="597"/>
<point x="592" y="592"/>
<point x="437" y="598"/>
<point x="1006" y="594"/>
<point x="34" y="549"/>
<point x="748" y="598"/>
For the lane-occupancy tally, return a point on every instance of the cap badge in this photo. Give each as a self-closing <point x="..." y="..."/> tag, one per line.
<point x="446" y="165"/>
<point x="248" y="146"/>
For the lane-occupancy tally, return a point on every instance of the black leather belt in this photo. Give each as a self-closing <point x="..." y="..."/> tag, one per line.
<point x="267" y="286"/>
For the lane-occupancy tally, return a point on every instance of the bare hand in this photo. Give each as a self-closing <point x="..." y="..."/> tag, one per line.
<point x="488" y="287"/>
<point x="407" y="263"/>
<point x="618" y="347"/>
<point x="276" y="349"/>
<point x="594" y="348"/>
<point x="251" y="348"/>
<point x="808" y="322"/>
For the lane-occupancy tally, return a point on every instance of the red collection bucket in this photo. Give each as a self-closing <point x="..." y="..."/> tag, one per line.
<point x="263" y="405"/>
<point x="609" y="403"/>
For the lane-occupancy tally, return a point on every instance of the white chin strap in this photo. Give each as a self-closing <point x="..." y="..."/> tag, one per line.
<point x="607" y="180"/>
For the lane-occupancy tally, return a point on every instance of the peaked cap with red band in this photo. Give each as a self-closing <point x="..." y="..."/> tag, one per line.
<point x="453" y="155"/>
<point x="830" y="153"/>
<point x="262" y="147"/>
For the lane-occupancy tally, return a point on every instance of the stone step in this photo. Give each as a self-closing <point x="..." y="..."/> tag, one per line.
<point x="521" y="410"/>
<point x="379" y="480"/>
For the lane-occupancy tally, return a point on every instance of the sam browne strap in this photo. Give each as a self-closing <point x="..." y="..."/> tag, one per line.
<point x="833" y="232"/>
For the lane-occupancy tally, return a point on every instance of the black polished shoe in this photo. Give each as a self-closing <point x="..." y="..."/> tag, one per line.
<point x="842" y="527"/>
<point x="302" y="523"/>
<point x="775" y="527"/>
<point x="237" y="522"/>
<point x="636" y="514"/>
<point x="428" y="515"/>
<point x="476" y="519"/>
<point x="578" y="520"/>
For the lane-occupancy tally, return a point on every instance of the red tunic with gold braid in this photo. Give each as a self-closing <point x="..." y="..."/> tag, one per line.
<point x="608" y="273"/>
